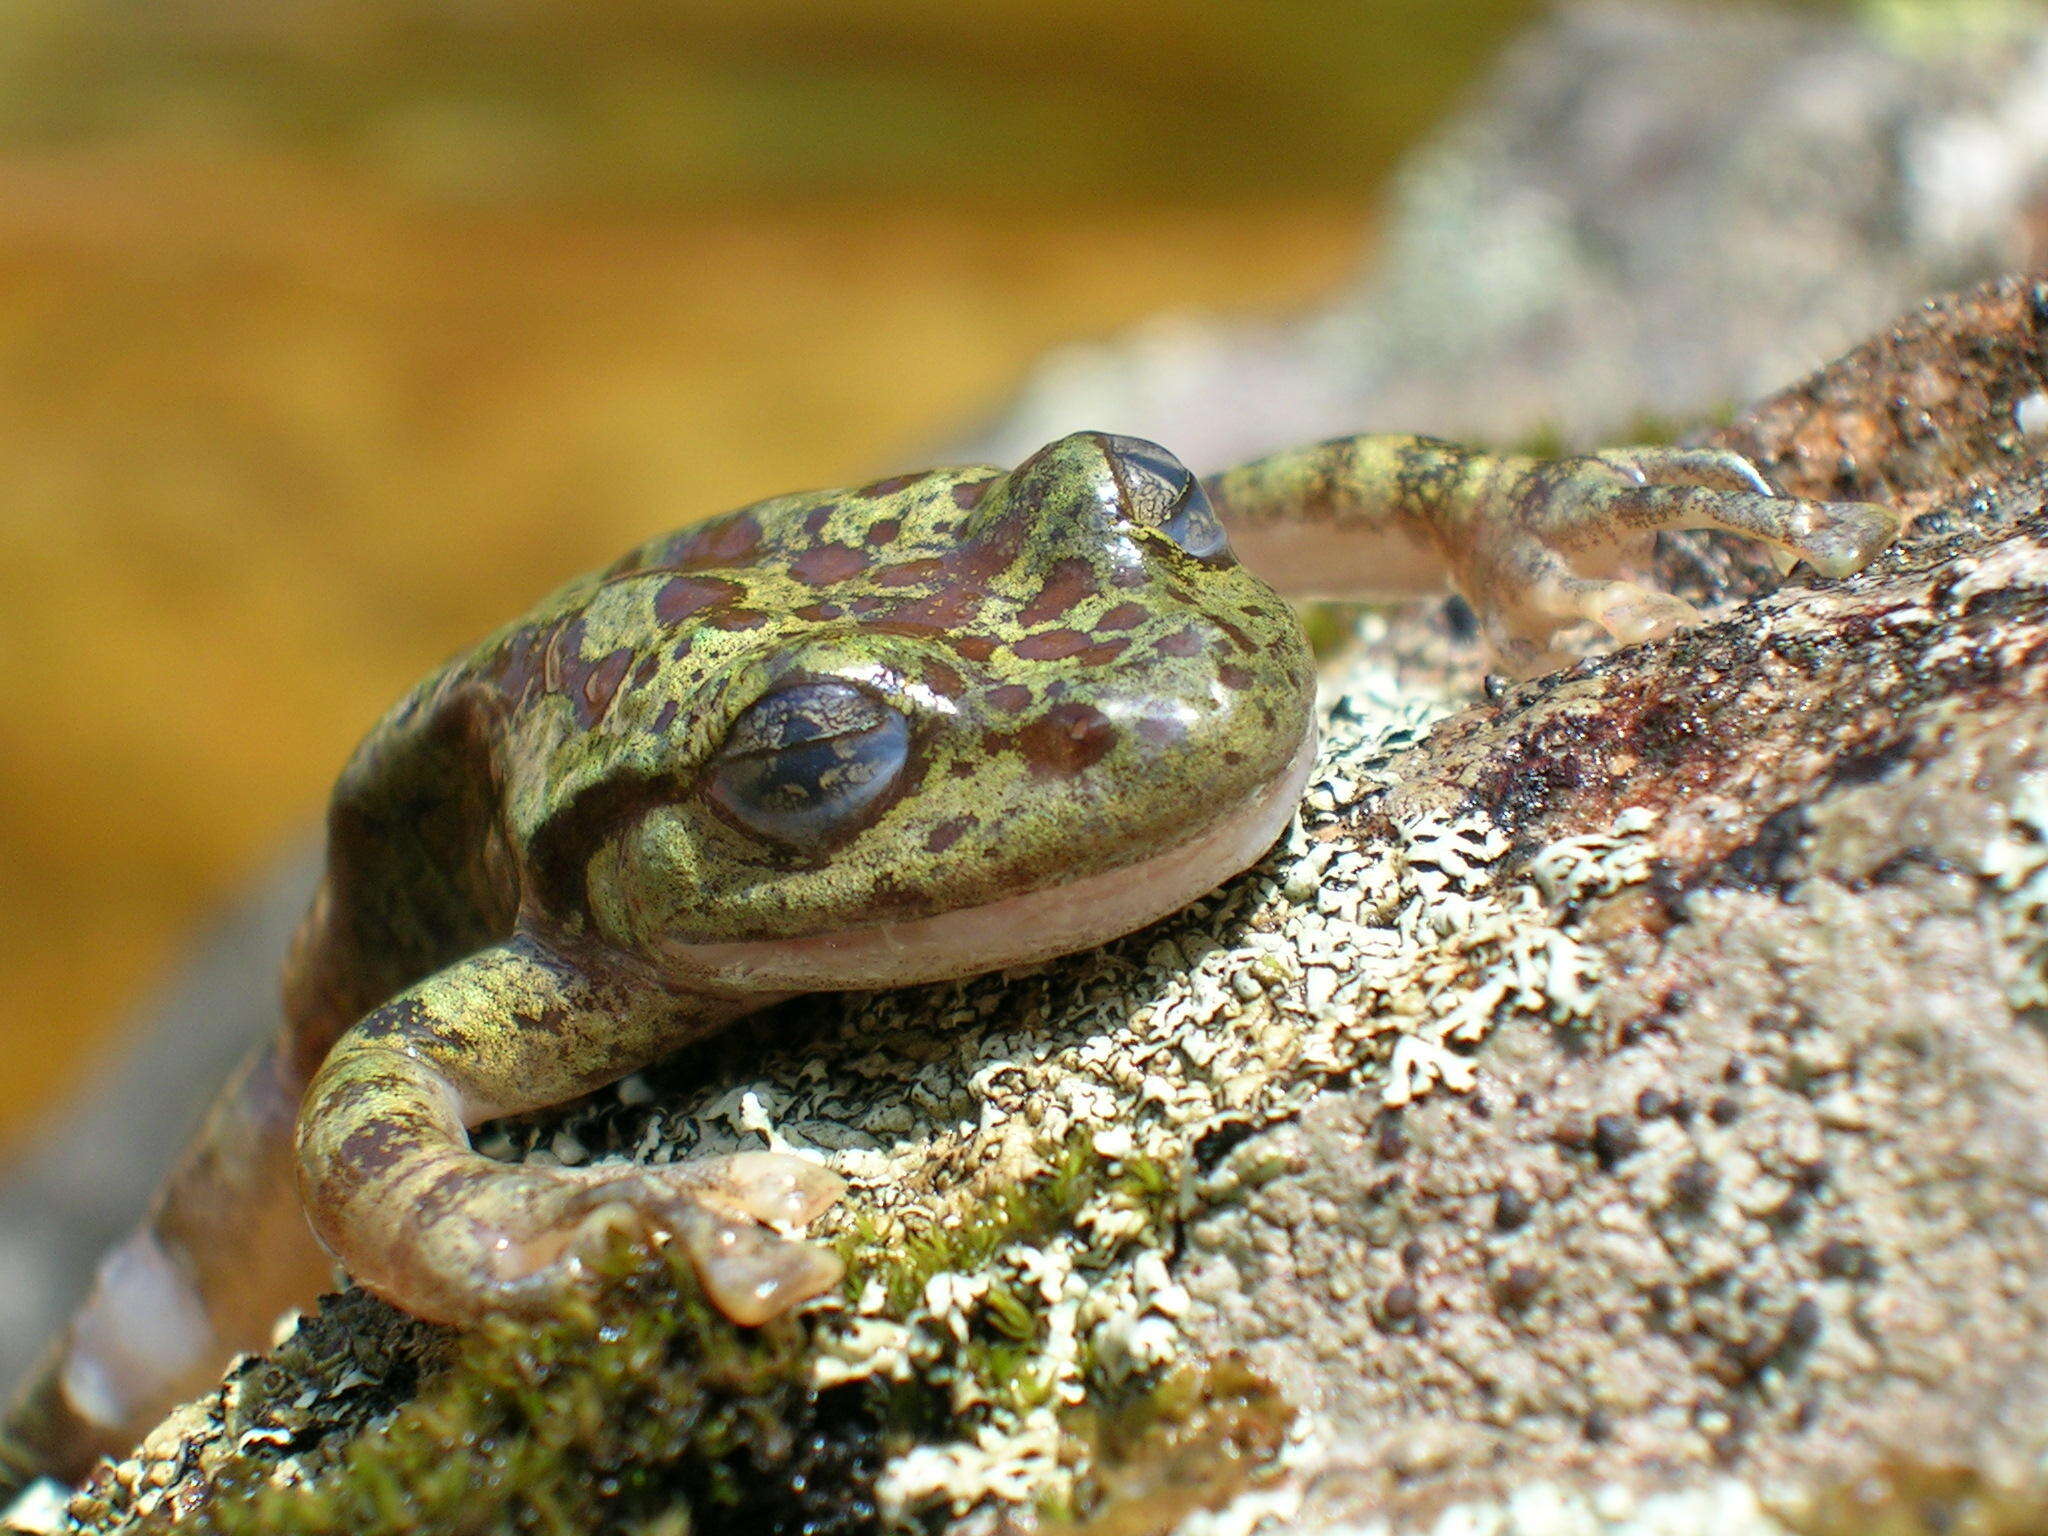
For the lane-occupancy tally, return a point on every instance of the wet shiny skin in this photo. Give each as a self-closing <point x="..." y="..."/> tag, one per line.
<point x="916" y="729"/>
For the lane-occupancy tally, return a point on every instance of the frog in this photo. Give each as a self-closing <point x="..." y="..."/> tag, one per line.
<point x="935" y="725"/>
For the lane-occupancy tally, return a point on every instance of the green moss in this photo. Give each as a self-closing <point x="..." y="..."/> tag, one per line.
<point x="1007" y="1214"/>
<point x="639" y="1410"/>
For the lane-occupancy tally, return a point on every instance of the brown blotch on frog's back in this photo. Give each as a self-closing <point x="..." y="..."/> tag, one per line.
<point x="975" y="648"/>
<point x="893" y="484"/>
<point x="600" y="685"/>
<point x="942" y="612"/>
<point x="943" y="680"/>
<point x="1010" y="698"/>
<point x="967" y="494"/>
<point x="883" y="531"/>
<point x="1069" y="645"/>
<point x="1122" y="616"/>
<point x="1241" y="641"/>
<point x="517" y="666"/>
<point x="589" y="685"/>
<point x="683" y="597"/>
<point x="1071" y="582"/>
<point x="823" y="565"/>
<point x="723" y="541"/>
<point x="1065" y="740"/>
<point x="911" y="573"/>
<point x="735" y="618"/>
<point x="948" y="832"/>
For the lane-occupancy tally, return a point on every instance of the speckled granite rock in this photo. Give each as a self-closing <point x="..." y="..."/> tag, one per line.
<point x="1616" y="1109"/>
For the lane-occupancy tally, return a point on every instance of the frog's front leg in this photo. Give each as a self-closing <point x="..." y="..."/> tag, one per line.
<point x="1533" y="544"/>
<point x="397" y="1195"/>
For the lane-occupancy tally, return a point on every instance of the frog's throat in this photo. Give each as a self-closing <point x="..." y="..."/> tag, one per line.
<point x="1058" y="919"/>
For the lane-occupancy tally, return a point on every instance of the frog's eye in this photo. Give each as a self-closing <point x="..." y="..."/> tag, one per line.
<point x="809" y="763"/>
<point x="1162" y="494"/>
<point x="1194" y="526"/>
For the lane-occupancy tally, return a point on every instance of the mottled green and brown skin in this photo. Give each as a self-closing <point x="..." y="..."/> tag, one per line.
<point x="922" y="728"/>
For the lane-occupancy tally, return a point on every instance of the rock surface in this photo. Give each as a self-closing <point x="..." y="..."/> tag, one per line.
<point x="1617" y="1109"/>
<point x="1768" y="1218"/>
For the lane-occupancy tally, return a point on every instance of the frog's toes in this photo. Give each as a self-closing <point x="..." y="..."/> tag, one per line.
<point x="1838" y="538"/>
<point x="770" y="1187"/>
<point x="722" y="1211"/>
<point x="1835" y="537"/>
<point x="750" y="1273"/>
<point x="1631" y="612"/>
<point x="718" y="1209"/>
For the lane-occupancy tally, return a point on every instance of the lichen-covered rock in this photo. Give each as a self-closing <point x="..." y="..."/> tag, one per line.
<point x="1615" y="1105"/>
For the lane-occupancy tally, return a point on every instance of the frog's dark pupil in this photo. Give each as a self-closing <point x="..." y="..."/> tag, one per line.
<point x="809" y="763"/>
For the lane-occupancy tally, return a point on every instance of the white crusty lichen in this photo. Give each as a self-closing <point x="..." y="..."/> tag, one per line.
<point x="1021" y="1148"/>
<point x="2016" y="863"/>
<point x="1724" y="1505"/>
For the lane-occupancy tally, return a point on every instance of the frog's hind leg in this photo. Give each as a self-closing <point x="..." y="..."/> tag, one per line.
<point x="1548" y="536"/>
<point x="1534" y="545"/>
<point x="223" y="1252"/>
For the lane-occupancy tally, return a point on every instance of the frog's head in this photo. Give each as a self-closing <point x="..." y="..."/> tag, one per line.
<point x="1011" y="716"/>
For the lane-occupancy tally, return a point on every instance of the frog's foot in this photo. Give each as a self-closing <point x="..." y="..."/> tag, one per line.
<point x="1547" y="596"/>
<point x="1539" y="526"/>
<point x="721" y="1210"/>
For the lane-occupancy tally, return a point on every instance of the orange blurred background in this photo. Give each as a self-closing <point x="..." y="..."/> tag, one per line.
<point x="332" y="333"/>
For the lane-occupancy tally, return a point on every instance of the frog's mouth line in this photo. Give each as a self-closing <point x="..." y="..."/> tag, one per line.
<point x="1018" y="930"/>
